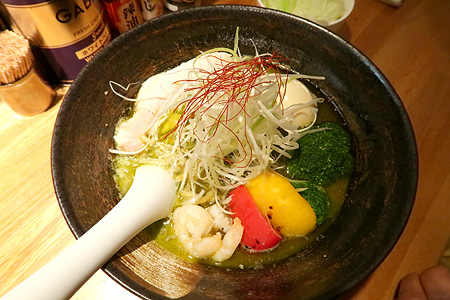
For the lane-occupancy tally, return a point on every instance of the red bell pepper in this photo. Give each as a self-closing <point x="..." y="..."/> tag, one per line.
<point x="259" y="235"/>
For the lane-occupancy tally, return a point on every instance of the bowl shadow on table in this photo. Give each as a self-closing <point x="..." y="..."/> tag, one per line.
<point x="344" y="31"/>
<point x="379" y="199"/>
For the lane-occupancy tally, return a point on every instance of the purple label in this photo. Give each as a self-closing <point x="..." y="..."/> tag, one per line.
<point x="24" y="2"/>
<point x="68" y="61"/>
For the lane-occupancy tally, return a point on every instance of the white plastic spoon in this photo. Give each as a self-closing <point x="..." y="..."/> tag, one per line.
<point x="150" y="198"/>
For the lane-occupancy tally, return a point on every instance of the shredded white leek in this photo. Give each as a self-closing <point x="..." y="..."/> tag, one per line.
<point x="212" y="152"/>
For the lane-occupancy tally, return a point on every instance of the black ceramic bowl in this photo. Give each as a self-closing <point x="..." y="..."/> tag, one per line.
<point x="382" y="187"/>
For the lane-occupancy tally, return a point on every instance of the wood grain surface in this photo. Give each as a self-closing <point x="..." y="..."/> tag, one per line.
<point x="411" y="46"/>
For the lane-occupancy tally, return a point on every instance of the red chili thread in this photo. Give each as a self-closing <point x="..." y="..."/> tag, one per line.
<point x="235" y="82"/>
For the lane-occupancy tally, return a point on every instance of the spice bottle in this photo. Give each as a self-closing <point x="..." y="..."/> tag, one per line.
<point x="152" y="9"/>
<point x="65" y="34"/>
<point x="175" y="5"/>
<point x="122" y="15"/>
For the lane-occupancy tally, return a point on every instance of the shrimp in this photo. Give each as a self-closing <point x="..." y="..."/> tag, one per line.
<point x="194" y="227"/>
<point x="230" y="241"/>
<point x="221" y="221"/>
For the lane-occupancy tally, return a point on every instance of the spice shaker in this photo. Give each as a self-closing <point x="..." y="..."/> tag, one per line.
<point x="152" y="8"/>
<point x="122" y="15"/>
<point x="176" y="5"/>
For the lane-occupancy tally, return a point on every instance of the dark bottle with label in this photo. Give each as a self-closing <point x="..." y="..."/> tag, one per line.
<point x="65" y="34"/>
<point x="122" y="15"/>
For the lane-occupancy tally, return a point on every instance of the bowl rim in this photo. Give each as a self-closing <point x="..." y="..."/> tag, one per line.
<point x="65" y="108"/>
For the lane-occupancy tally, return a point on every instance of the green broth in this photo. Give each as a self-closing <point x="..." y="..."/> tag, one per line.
<point x="162" y="232"/>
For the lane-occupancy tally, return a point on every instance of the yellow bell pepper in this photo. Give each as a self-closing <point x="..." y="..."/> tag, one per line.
<point x="168" y="125"/>
<point x="286" y="209"/>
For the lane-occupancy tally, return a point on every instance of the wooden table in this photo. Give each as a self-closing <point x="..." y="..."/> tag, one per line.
<point x="410" y="44"/>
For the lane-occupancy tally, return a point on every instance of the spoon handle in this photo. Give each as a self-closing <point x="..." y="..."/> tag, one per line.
<point x="67" y="272"/>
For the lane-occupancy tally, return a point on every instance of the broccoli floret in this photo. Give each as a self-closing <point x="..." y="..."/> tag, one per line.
<point x="316" y="197"/>
<point x="323" y="156"/>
